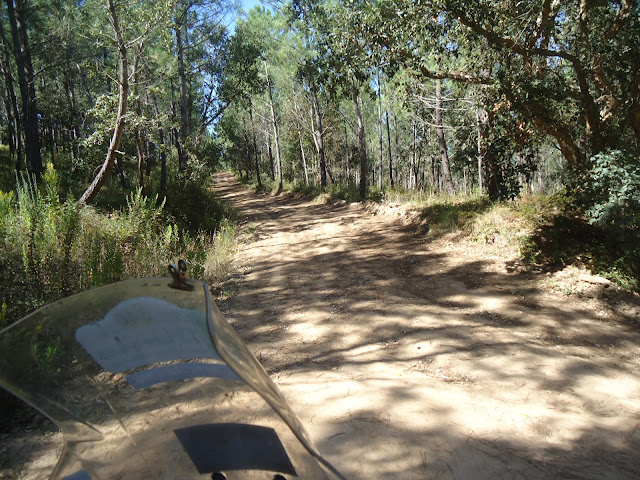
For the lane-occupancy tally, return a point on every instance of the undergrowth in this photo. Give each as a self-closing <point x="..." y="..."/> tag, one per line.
<point x="53" y="248"/>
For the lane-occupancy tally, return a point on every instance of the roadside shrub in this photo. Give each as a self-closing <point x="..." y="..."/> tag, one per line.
<point x="51" y="249"/>
<point x="190" y="200"/>
<point x="613" y="194"/>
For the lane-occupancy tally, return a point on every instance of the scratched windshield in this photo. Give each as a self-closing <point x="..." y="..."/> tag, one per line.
<point x="148" y="381"/>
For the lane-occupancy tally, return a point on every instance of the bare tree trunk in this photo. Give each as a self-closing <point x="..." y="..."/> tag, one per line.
<point x="363" y="146"/>
<point x="184" y="124"/>
<point x="255" y="145"/>
<point x="386" y="114"/>
<point x="442" y="141"/>
<point x="276" y="133"/>
<point x="141" y="155"/>
<point x="413" y="181"/>
<point x="480" y="155"/>
<point x="247" y="147"/>
<point x="381" y="174"/>
<point x="318" y="136"/>
<point x="272" y="168"/>
<point x="22" y="55"/>
<point x="11" y="105"/>
<point x="397" y="134"/>
<point x="302" y="154"/>
<point x="118" y="130"/>
<point x="163" y="153"/>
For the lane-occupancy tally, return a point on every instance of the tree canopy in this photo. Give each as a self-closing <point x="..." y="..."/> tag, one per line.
<point x="486" y="95"/>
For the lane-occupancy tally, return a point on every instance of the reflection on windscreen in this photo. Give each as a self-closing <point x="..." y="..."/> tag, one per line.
<point x="144" y="331"/>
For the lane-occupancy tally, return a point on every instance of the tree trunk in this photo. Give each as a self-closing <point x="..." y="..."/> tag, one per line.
<point x="272" y="168"/>
<point x="397" y="134"/>
<point x="413" y="180"/>
<point x="363" y="146"/>
<point x="386" y="114"/>
<point x="118" y="130"/>
<point x="480" y="153"/>
<point x="184" y="124"/>
<point x="276" y="133"/>
<point x="381" y="174"/>
<point x="163" y="153"/>
<point x="302" y="154"/>
<point x="255" y="145"/>
<point x="11" y="105"/>
<point x="442" y="141"/>
<point x="138" y="134"/>
<point x="318" y="136"/>
<point x="247" y="146"/>
<point x="22" y="55"/>
<point x="492" y="173"/>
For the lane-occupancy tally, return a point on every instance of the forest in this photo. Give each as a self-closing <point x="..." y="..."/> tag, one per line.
<point x="115" y="112"/>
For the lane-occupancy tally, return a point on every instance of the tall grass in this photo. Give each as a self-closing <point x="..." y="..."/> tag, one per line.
<point x="51" y="249"/>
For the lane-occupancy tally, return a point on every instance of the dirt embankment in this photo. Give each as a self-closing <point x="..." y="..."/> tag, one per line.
<point x="410" y="358"/>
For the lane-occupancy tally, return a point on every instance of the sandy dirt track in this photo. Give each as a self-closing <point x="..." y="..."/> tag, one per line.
<point x="410" y="358"/>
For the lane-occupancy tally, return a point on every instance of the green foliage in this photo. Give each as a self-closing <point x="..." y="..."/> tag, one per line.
<point x="7" y="170"/>
<point x="52" y="248"/>
<point x="191" y="202"/>
<point x="613" y="193"/>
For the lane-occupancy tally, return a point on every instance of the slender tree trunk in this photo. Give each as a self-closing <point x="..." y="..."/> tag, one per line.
<point x="381" y="174"/>
<point x="184" y="124"/>
<point x="346" y="152"/>
<point x="492" y="175"/>
<point x="386" y="114"/>
<point x="272" y="168"/>
<point x="318" y="136"/>
<point x="276" y="133"/>
<point x="118" y="130"/>
<point x="255" y="145"/>
<point x="22" y="54"/>
<point x="138" y="134"/>
<point x="442" y="141"/>
<point x="247" y="146"/>
<point x="480" y="154"/>
<point x="363" y="145"/>
<point x="163" y="153"/>
<point x="397" y="134"/>
<point x="7" y="99"/>
<point x="11" y="104"/>
<point x="413" y="180"/>
<point x="10" y="101"/>
<point x="303" y="158"/>
<point x="302" y="154"/>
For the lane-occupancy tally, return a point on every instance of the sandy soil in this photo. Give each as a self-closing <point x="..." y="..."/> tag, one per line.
<point x="422" y="359"/>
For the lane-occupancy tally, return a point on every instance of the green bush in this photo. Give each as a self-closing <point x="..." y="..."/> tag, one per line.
<point x="51" y="249"/>
<point x="613" y="194"/>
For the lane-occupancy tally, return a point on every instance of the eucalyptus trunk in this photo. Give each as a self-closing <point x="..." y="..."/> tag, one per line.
<point x="255" y="145"/>
<point x="442" y="141"/>
<point x="318" y="136"/>
<point x="276" y="132"/>
<point x="363" y="145"/>
<point x="184" y="124"/>
<point x="118" y="130"/>
<point x="22" y="53"/>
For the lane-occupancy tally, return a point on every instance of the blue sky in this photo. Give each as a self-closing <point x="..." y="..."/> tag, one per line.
<point x="249" y="4"/>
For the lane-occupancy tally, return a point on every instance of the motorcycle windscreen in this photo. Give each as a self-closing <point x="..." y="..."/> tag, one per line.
<point x="146" y="381"/>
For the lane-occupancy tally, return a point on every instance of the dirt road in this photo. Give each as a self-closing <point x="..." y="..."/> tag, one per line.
<point x="410" y="358"/>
